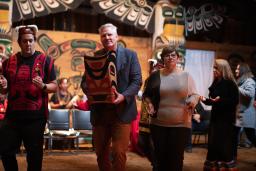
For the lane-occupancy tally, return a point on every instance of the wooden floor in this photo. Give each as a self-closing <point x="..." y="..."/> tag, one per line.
<point x="85" y="160"/>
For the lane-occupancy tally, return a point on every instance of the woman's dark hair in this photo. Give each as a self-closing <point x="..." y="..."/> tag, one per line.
<point x="167" y="50"/>
<point x="244" y="70"/>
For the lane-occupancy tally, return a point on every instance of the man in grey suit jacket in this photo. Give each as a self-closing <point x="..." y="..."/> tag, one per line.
<point x="111" y="122"/>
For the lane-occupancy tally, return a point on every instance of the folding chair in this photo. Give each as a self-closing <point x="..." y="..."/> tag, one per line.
<point x="81" y="123"/>
<point x="197" y="135"/>
<point x="59" y="126"/>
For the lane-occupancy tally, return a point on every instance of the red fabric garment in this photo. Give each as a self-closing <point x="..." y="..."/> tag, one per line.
<point x="82" y="105"/>
<point x="135" y="134"/>
<point x="19" y="72"/>
<point x="2" y="111"/>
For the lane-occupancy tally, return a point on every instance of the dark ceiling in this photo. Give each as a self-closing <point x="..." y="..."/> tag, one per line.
<point x="239" y="26"/>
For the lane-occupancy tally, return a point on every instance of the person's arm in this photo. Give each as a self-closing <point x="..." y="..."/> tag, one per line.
<point x="51" y="87"/>
<point x="199" y="112"/>
<point x="50" y="83"/>
<point x="57" y="105"/>
<point x="134" y="77"/>
<point x="193" y="97"/>
<point x="196" y="117"/>
<point x="208" y="101"/>
<point x="71" y="103"/>
<point x="149" y="107"/>
<point x="248" y="88"/>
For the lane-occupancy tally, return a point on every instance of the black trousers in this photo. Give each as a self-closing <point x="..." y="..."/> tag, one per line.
<point x="169" y="143"/>
<point x="145" y="144"/>
<point x="31" y="133"/>
<point x="250" y="133"/>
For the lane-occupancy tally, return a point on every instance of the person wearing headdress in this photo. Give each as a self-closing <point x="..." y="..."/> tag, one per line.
<point x="145" y="142"/>
<point x="28" y="77"/>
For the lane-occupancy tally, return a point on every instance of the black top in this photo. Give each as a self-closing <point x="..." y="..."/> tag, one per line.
<point x="223" y="110"/>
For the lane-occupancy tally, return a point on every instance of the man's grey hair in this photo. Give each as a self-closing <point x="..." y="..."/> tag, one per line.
<point x="113" y="28"/>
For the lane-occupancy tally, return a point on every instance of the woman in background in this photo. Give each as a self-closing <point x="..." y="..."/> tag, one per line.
<point x="223" y="97"/>
<point x="145" y="142"/>
<point x="171" y="96"/>
<point x="246" y="116"/>
<point x="62" y="99"/>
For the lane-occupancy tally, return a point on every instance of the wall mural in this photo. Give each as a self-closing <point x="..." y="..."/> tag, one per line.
<point x="5" y="53"/>
<point x="5" y="37"/>
<point x="5" y="28"/>
<point x="167" y="20"/>
<point x="5" y="45"/>
<point x="74" y="51"/>
<point x="4" y="15"/>
<point x="27" y="9"/>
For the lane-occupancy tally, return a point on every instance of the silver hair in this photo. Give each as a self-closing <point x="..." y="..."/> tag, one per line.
<point x="113" y="28"/>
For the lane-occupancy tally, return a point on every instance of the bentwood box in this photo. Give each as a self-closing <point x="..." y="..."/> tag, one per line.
<point x="100" y="73"/>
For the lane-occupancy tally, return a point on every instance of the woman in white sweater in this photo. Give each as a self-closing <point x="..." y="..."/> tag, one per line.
<point x="171" y="96"/>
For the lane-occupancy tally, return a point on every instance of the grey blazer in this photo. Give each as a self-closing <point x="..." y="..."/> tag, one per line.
<point x="129" y="81"/>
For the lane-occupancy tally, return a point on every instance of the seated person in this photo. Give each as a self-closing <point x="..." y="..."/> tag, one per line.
<point x="200" y="122"/>
<point x="200" y="119"/>
<point x="62" y="99"/>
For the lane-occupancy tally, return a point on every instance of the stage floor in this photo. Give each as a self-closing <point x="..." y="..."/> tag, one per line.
<point x="85" y="160"/>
